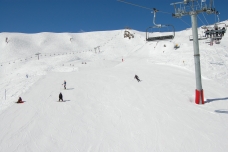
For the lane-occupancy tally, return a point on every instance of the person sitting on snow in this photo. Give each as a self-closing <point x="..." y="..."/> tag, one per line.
<point x="19" y="100"/>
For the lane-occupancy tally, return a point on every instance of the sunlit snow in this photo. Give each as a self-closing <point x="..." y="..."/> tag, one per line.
<point x="105" y="109"/>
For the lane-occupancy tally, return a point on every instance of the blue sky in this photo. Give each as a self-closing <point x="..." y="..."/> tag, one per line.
<point x="33" y="16"/>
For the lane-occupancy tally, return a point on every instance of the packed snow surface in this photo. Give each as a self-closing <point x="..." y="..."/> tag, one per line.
<point x="105" y="109"/>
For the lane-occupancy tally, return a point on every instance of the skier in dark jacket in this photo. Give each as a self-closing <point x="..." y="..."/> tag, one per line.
<point x="223" y="31"/>
<point x="60" y="96"/>
<point x="19" y="100"/>
<point x="137" y="78"/>
<point x="206" y="33"/>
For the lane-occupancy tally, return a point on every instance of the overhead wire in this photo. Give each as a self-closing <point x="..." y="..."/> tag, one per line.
<point x="215" y="13"/>
<point x="205" y="19"/>
<point x="135" y="5"/>
<point x="198" y="15"/>
<point x="142" y="7"/>
<point x="191" y="6"/>
<point x="185" y="22"/>
<point x="200" y="19"/>
<point x="164" y="12"/>
<point x="198" y="5"/>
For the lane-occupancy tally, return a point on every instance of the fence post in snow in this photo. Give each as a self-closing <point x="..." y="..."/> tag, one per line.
<point x="37" y="55"/>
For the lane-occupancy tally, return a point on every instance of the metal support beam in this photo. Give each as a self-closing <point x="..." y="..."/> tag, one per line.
<point x="199" y="99"/>
<point x="192" y="9"/>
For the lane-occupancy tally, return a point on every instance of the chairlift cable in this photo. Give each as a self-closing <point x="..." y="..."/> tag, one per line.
<point x="191" y="6"/>
<point x="203" y="15"/>
<point x="164" y="12"/>
<point x="205" y="19"/>
<point x="142" y="7"/>
<point x="155" y="38"/>
<point x="216" y="13"/>
<point x="198" y="4"/>
<point x="185" y="22"/>
<point x="200" y="19"/>
<point x="135" y="5"/>
<point x="198" y="15"/>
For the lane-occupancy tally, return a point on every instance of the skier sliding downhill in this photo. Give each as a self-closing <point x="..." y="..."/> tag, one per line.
<point x="137" y="78"/>
<point x="20" y="100"/>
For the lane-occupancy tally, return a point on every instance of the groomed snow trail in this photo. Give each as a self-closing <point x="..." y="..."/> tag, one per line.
<point x="108" y="110"/>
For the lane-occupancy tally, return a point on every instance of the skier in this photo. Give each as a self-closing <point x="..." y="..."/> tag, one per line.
<point x="64" y="83"/>
<point x="211" y="33"/>
<point x="19" y="100"/>
<point x="60" y="97"/>
<point x="176" y="46"/>
<point x="206" y="33"/>
<point x="137" y="78"/>
<point x="223" y="31"/>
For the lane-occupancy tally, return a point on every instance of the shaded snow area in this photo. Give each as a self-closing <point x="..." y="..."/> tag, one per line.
<point x="104" y="108"/>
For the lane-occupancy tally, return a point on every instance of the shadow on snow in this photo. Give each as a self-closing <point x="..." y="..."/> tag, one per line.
<point x="216" y="99"/>
<point x="222" y="111"/>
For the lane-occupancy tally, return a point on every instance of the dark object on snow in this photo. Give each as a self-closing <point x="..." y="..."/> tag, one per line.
<point x="137" y="78"/>
<point x="223" y="31"/>
<point x="19" y="100"/>
<point x="7" y="40"/>
<point x="64" y="83"/>
<point x="176" y="46"/>
<point x="60" y="96"/>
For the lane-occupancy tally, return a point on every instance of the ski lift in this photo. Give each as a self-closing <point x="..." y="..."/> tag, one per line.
<point x="158" y="36"/>
<point x="221" y="28"/>
<point x="206" y="27"/>
<point x="218" y="31"/>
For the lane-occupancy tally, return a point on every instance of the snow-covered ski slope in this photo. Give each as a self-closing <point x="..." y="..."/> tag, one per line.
<point x="105" y="108"/>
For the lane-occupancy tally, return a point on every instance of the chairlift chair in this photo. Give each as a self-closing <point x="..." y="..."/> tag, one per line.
<point x="218" y="33"/>
<point x="221" y="27"/>
<point x="206" y="27"/>
<point x="200" y="37"/>
<point x="155" y="37"/>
